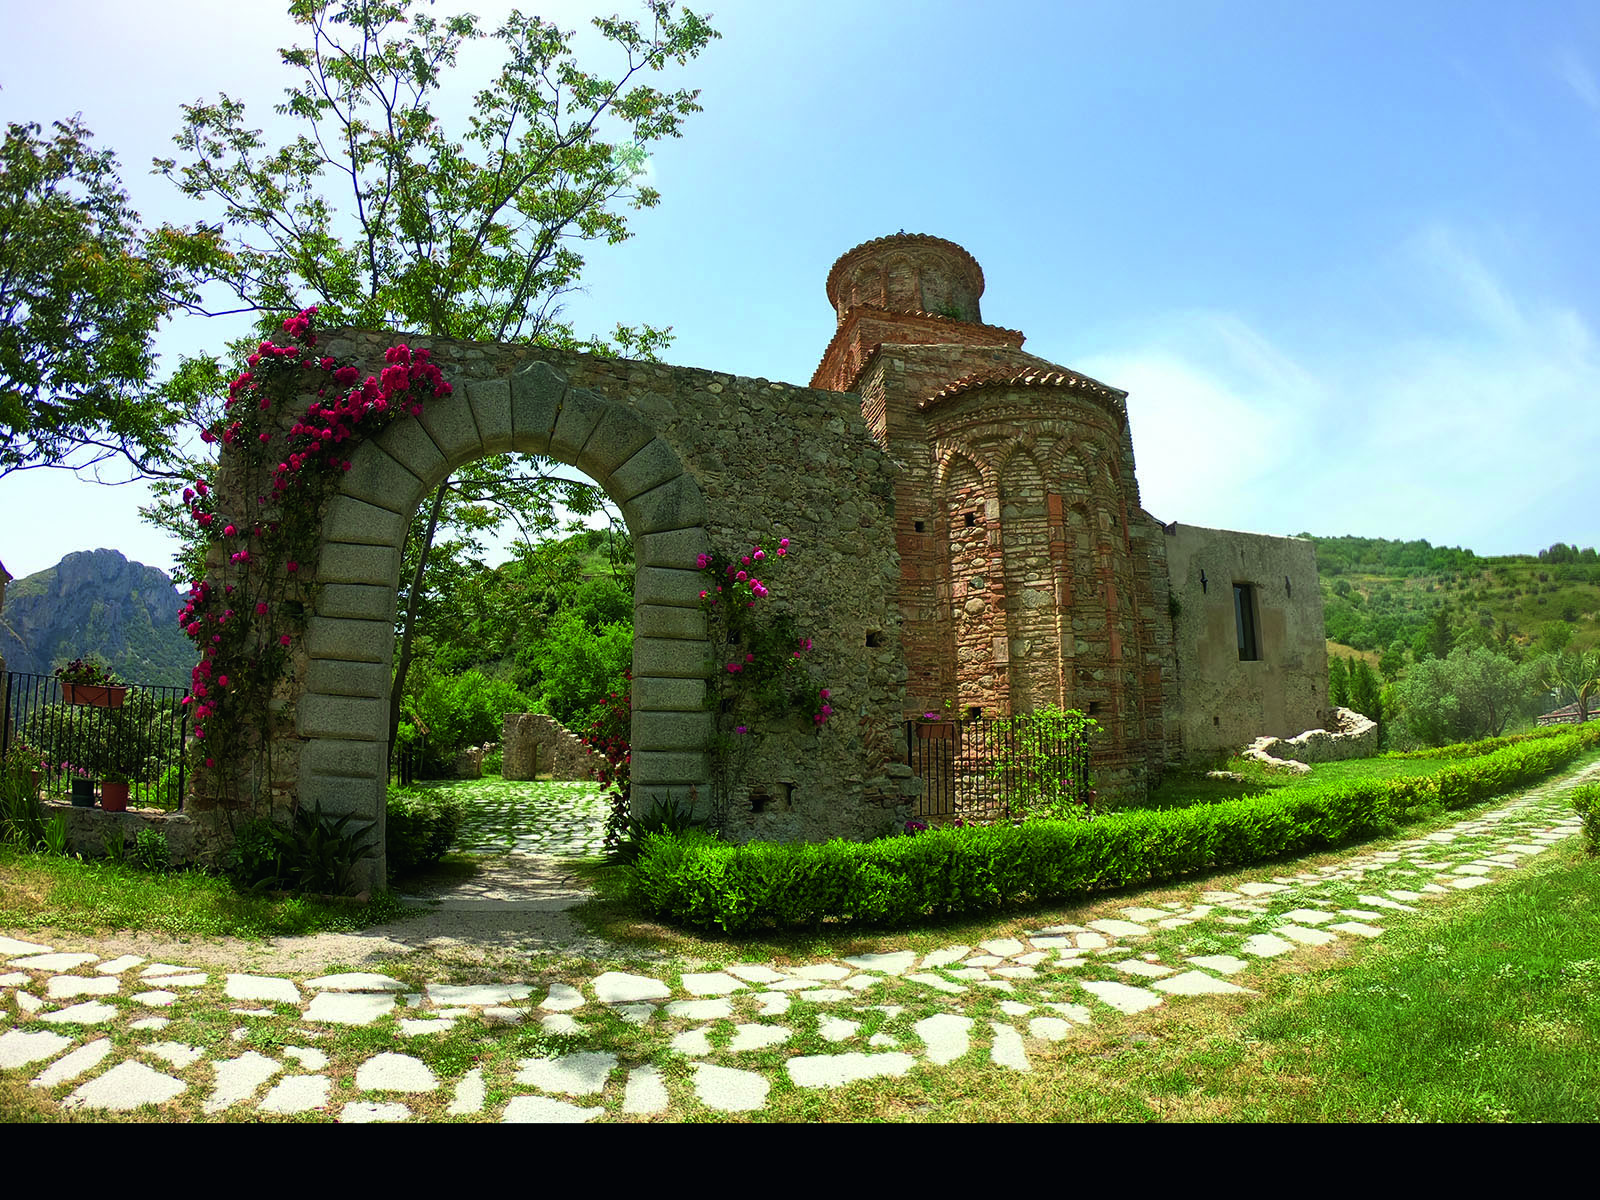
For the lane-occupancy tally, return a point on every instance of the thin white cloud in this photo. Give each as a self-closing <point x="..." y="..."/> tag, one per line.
<point x="1459" y="278"/>
<point x="1575" y="73"/>
<point x="1475" y="423"/>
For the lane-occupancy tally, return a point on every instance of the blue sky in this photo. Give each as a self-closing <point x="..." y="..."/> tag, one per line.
<point x="1341" y="256"/>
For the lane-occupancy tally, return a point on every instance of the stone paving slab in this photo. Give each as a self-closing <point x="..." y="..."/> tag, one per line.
<point x="715" y="983"/>
<point x="355" y="981"/>
<point x="1196" y="983"/>
<point x="581" y="1074"/>
<point x="349" y="1008"/>
<point x="127" y="1085"/>
<point x="541" y="1110"/>
<point x="645" y="1092"/>
<point x="175" y="1054"/>
<point x="238" y="1079"/>
<point x="80" y="1062"/>
<point x="90" y="1012"/>
<point x="728" y="1090"/>
<point x="618" y="987"/>
<point x="1306" y="937"/>
<point x="297" y="1094"/>
<point x="265" y="988"/>
<point x="391" y="1072"/>
<point x="62" y="987"/>
<point x="1121" y="996"/>
<point x="836" y="1070"/>
<point x="367" y="1112"/>
<point x="54" y="962"/>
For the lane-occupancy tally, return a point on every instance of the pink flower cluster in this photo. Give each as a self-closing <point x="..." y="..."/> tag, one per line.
<point x="315" y="447"/>
<point x="739" y="583"/>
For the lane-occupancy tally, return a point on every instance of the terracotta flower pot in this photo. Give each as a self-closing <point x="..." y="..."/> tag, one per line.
<point x="114" y="795"/>
<point x="93" y="695"/>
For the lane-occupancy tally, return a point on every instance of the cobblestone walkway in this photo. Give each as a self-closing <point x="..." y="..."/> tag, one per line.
<point x="89" y="1032"/>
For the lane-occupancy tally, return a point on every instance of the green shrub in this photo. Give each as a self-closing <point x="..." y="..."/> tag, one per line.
<point x="150" y="849"/>
<point x="668" y="817"/>
<point x="454" y="712"/>
<point x="945" y="872"/>
<point x="315" y="853"/>
<point x="420" y="828"/>
<point x="22" y="821"/>
<point x="1586" y="800"/>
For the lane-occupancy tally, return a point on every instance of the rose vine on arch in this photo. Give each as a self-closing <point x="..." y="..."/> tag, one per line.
<point x="279" y="471"/>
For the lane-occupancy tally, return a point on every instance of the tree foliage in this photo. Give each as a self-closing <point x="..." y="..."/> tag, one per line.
<point x="82" y="291"/>
<point x="1470" y="693"/>
<point x="387" y="218"/>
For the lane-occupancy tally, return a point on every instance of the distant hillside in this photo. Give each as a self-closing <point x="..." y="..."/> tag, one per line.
<point x="96" y="602"/>
<point x="1377" y="593"/>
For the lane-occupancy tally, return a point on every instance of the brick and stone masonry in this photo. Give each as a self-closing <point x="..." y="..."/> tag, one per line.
<point x="968" y="538"/>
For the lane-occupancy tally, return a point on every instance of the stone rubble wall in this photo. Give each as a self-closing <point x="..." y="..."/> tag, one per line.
<point x="533" y="744"/>
<point x="1353" y="736"/>
<point x="190" y="839"/>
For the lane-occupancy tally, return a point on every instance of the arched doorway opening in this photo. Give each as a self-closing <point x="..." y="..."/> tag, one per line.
<point x="343" y="715"/>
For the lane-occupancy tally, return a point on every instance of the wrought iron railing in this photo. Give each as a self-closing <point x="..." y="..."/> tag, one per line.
<point x="137" y="734"/>
<point x="999" y="768"/>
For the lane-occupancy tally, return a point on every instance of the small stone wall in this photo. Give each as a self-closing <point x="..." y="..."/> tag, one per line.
<point x="534" y="744"/>
<point x="1353" y="736"/>
<point x="187" y="839"/>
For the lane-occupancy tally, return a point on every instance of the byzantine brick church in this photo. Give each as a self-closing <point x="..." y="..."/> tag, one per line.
<point x="1030" y="574"/>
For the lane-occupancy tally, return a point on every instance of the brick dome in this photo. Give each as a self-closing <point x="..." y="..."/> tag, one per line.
<point x="908" y="273"/>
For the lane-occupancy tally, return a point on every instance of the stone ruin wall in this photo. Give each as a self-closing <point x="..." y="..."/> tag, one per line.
<point x="533" y="744"/>
<point x="1352" y="736"/>
<point x="771" y="460"/>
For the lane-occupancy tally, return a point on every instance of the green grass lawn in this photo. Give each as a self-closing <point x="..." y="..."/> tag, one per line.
<point x="38" y="891"/>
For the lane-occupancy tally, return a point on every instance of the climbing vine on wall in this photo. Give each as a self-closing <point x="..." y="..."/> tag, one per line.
<point x="759" y="668"/>
<point x="282" y="469"/>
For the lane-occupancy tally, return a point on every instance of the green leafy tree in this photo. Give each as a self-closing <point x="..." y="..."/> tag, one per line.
<point x="1393" y="661"/>
<point x="1574" y="676"/>
<point x="83" y="290"/>
<point x="384" y="217"/>
<point x="1468" y="694"/>
<point x="1338" y="681"/>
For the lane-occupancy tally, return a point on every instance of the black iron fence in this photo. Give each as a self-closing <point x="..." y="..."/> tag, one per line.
<point x="93" y="735"/>
<point x="999" y="768"/>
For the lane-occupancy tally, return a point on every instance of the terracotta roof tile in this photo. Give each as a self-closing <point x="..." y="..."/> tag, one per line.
<point x="1031" y="377"/>
<point x="868" y="349"/>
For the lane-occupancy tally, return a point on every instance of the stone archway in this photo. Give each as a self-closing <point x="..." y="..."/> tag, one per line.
<point x="342" y="716"/>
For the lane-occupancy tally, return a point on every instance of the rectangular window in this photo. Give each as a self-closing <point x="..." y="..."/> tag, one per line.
<point x="1244" y="618"/>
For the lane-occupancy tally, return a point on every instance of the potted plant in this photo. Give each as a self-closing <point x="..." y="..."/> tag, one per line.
<point x="114" y="791"/>
<point x="84" y="681"/>
<point x="82" y="785"/>
<point x="937" y="725"/>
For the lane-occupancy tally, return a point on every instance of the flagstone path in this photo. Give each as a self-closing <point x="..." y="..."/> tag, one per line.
<point x="88" y="1031"/>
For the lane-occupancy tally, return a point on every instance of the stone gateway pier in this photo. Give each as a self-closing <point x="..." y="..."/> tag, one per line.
<point x="965" y="534"/>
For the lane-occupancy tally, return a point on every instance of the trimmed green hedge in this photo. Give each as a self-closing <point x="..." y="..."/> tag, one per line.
<point x="697" y="881"/>
<point x="1586" y="802"/>
<point x="1483" y="746"/>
